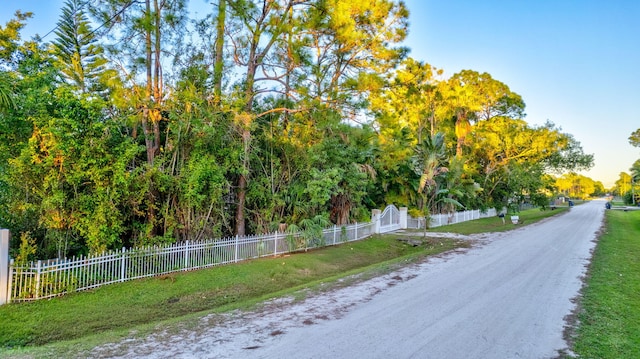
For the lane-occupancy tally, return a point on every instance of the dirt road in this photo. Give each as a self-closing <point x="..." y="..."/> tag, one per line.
<point x="507" y="297"/>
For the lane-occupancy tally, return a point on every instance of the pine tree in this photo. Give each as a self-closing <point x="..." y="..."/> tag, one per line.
<point x="78" y="54"/>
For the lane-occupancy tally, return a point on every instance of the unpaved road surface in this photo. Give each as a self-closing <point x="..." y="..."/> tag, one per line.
<point x="507" y="297"/>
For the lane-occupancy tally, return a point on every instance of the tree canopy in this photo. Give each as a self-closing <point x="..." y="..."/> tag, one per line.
<point x="137" y="125"/>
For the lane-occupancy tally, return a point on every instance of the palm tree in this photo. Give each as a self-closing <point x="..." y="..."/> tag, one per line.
<point x="429" y="163"/>
<point x="635" y="176"/>
<point x="6" y="99"/>
<point x="635" y="171"/>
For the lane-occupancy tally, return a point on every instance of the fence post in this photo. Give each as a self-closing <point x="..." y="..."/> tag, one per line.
<point x="334" y="233"/>
<point x="38" y="270"/>
<point x="377" y="225"/>
<point x="186" y="255"/>
<point x="375" y="219"/>
<point x="4" y="266"/>
<point x="236" y="254"/>
<point x="123" y="271"/>
<point x="403" y="217"/>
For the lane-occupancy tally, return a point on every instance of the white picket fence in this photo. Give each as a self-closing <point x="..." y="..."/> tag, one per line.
<point x="444" y="219"/>
<point x="46" y="279"/>
<point x="50" y="278"/>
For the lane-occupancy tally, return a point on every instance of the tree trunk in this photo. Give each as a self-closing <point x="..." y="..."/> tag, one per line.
<point x="242" y="194"/>
<point x="146" y="113"/>
<point x="242" y="179"/>
<point x="340" y="208"/>
<point x="245" y="123"/>
<point x="151" y="114"/>
<point x="254" y="59"/>
<point x="219" y="46"/>
<point x="462" y="127"/>
<point x="157" y="80"/>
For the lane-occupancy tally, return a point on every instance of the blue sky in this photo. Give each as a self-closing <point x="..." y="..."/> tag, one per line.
<point x="574" y="62"/>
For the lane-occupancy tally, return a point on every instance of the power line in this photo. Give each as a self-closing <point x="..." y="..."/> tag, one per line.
<point x="125" y="7"/>
<point x="57" y="25"/>
<point x="111" y="18"/>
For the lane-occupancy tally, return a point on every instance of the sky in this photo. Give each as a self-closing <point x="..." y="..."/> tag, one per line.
<point x="574" y="62"/>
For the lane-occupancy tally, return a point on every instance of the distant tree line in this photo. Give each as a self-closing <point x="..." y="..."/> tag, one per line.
<point x="627" y="184"/>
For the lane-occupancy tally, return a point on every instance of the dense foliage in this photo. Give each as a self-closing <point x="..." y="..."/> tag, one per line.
<point x="139" y="125"/>
<point x="627" y="184"/>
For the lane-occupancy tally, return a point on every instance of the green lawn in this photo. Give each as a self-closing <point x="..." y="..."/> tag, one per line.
<point x="609" y="319"/>
<point x="113" y="311"/>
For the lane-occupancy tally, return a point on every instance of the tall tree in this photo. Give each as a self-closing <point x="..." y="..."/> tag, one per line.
<point x="142" y="41"/>
<point x="337" y="48"/>
<point x="219" y="49"/>
<point x="6" y="98"/>
<point x="568" y="156"/>
<point x="77" y="51"/>
<point x="634" y="139"/>
<point x="264" y="25"/>
<point x="474" y="97"/>
<point x="350" y="43"/>
<point x="14" y="127"/>
<point x="635" y="171"/>
<point x="405" y="113"/>
<point x="9" y="43"/>
<point x="408" y="99"/>
<point x="623" y="184"/>
<point x="10" y="35"/>
<point x="510" y="158"/>
<point x="143" y="34"/>
<point x="429" y="161"/>
<point x="576" y="186"/>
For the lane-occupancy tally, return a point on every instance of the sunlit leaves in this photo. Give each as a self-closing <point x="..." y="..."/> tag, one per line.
<point x="510" y="156"/>
<point x="74" y="172"/>
<point x="574" y="185"/>
<point x="10" y="35"/>
<point x="283" y="111"/>
<point x="6" y="93"/>
<point x="634" y="139"/>
<point x="409" y="100"/>
<point x="349" y="38"/>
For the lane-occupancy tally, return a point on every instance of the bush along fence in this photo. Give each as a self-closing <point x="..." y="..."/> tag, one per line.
<point x="49" y="278"/>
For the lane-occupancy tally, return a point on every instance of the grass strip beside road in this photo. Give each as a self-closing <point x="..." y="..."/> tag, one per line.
<point x="609" y="316"/>
<point x="114" y="311"/>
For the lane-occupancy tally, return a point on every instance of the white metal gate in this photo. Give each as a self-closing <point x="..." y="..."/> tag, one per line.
<point x="390" y="219"/>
